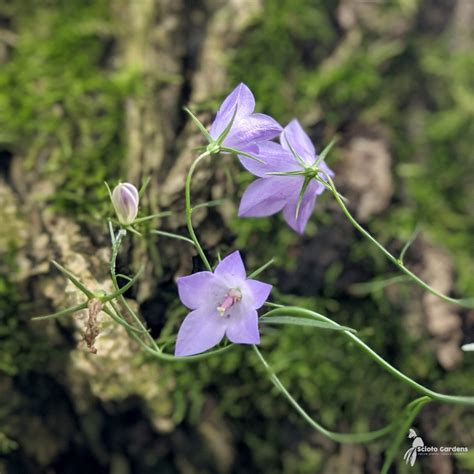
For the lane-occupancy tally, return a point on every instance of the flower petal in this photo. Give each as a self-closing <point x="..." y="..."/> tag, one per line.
<point x="255" y="127"/>
<point x="199" y="289"/>
<point x="232" y="265"/>
<point x="241" y="97"/>
<point x="306" y="208"/>
<point x="201" y="330"/>
<point x="260" y="292"/>
<point x="275" y="159"/>
<point x="242" y="326"/>
<point x="299" y="140"/>
<point x="267" y="196"/>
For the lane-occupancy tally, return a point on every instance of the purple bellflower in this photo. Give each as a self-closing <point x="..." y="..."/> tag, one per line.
<point x="223" y="303"/>
<point x="246" y="127"/>
<point x="125" y="201"/>
<point x="294" y="194"/>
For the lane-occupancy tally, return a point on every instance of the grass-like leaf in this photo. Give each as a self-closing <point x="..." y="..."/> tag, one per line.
<point x="295" y="321"/>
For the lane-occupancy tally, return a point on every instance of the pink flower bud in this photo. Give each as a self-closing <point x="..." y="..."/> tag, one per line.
<point x="125" y="201"/>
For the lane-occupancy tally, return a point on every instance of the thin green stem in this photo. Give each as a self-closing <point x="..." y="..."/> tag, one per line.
<point x="339" y="437"/>
<point x="451" y="399"/>
<point x="113" y="262"/>
<point x="468" y="303"/>
<point x="189" y="210"/>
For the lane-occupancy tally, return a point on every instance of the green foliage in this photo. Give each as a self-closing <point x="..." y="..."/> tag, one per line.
<point x="61" y="103"/>
<point x="62" y="107"/>
<point x="298" y="64"/>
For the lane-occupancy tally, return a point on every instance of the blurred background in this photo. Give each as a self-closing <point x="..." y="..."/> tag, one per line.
<point x="93" y="90"/>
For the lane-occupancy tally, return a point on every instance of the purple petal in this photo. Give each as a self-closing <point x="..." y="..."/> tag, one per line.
<point x="275" y="159"/>
<point x="231" y="265"/>
<point x="199" y="289"/>
<point x="260" y="292"/>
<point x="306" y="208"/>
<point x="201" y="330"/>
<point x="241" y="97"/>
<point x="242" y="326"/>
<point x="299" y="140"/>
<point x="132" y="189"/>
<point x="255" y="127"/>
<point x="125" y="201"/>
<point x="267" y="196"/>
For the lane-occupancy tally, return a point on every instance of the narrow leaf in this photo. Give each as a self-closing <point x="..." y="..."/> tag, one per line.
<point x="295" y="321"/>
<point x="124" y="288"/>
<point x="408" y="244"/>
<point x="73" y="279"/>
<point x="262" y="268"/>
<point x="145" y="184"/>
<point x="63" y="312"/>
<point x="216" y="202"/>
<point x="147" y="218"/>
<point x="172" y="236"/>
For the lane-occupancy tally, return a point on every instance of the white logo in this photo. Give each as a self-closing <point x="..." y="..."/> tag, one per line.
<point x="411" y="453"/>
<point x="418" y="448"/>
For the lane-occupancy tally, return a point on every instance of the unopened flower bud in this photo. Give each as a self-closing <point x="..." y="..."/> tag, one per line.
<point x="125" y="201"/>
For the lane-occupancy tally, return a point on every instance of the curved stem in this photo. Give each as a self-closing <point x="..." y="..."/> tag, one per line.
<point x="467" y="303"/>
<point x="115" y="248"/>
<point x="339" y="437"/>
<point x="452" y="399"/>
<point x="189" y="210"/>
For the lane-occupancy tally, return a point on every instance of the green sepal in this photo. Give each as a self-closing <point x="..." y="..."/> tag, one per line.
<point x="295" y="154"/>
<point x="306" y="182"/>
<point x="325" y="152"/>
<point x="243" y="153"/>
<point x="226" y="130"/>
<point x="199" y="125"/>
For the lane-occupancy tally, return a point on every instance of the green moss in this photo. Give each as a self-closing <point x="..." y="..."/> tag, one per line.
<point x="62" y="103"/>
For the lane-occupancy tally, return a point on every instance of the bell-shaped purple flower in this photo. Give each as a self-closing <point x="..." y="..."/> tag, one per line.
<point x="272" y="193"/>
<point x="125" y="201"/>
<point x="247" y="127"/>
<point x="223" y="303"/>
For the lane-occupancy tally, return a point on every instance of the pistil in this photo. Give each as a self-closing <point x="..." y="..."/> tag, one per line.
<point x="232" y="297"/>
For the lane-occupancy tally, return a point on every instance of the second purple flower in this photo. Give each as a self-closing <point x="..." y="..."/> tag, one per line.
<point x="272" y="193"/>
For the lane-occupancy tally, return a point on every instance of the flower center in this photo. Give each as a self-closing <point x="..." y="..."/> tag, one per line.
<point x="234" y="295"/>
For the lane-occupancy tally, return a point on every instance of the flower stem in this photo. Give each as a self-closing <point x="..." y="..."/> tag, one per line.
<point x="451" y="399"/>
<point x="467" y="303"/>
<point x="339" y="437"/>
<point x="189" y="210"/>
<point x="113" y="261"/>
